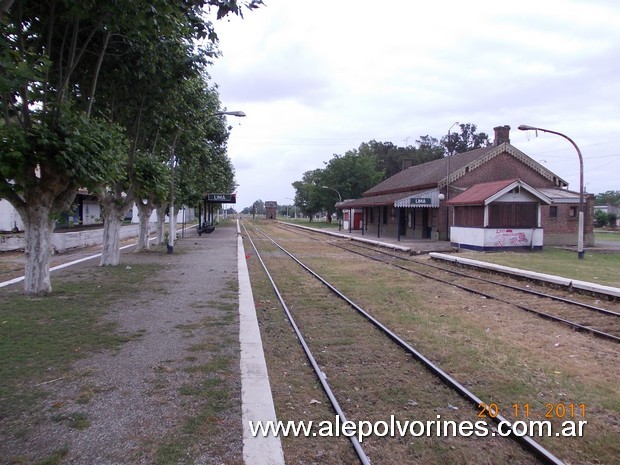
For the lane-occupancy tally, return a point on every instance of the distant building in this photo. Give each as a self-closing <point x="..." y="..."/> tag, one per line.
<point x="414" y="203"/>
<point x="271" y="209"/>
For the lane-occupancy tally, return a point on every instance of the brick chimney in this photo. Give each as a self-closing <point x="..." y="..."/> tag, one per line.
<point x="502" y="134"/>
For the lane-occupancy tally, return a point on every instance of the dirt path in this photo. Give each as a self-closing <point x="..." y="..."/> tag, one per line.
<point x="171" y="393"/>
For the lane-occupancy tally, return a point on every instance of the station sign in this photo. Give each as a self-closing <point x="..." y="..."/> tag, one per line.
<point x="423" y="199"/>
<point x="222" y="198"/>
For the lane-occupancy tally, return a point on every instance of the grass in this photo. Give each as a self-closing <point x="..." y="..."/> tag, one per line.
<point x="217" y="400"/>
<point x="600" y="268"/>
<point x="44" y="335"/>
<point x="317" y="224"/>
<point x="56" y="457"/>
<point x="502" y="355"/>
<point x="41" y="337"/>
<point x="210" y="390"/>
<point x="595" y="267"/>
<point x="76" y="420"/>
<point x="613" y="236"/>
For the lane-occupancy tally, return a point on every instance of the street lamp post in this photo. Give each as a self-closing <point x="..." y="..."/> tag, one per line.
<point x="448" y="183"/>
<point x="294" y="207"/>
<point x="340" y="201"/>
<point x="580" y="251"/>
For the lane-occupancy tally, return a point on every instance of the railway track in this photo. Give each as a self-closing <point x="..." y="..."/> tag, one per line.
<point x="554" y="305"/>
<point x="369" y="372"/>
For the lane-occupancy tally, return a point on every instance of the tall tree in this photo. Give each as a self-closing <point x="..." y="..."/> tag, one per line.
<point x="55" y="56"/>
<point x="608" y="198"/>
<point x="310" y="197"/>
<point x="350" y="175"/>
<point x="467" y="139"/>
<point x="144" y="91"/>
<point x="50" y="145"/>
<point x="152" y="178"/>
<point x="390" y="158"/>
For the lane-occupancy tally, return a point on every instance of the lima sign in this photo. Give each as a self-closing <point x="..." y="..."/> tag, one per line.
<point x="420" y="201"/>
<point x="223" y="198"/>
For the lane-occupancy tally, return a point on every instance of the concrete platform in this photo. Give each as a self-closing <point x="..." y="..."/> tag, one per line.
<point x="609" y="291"/>
<point x="412" y="246"/>
<point x="256" y="396"/>
<point x="257" y="400"/>
<point x="438" y="250"/>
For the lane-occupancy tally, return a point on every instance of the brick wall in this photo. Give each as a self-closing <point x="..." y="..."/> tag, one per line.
<point x="503" y="166"/>
<point x="557" y="231"/>
<point x="562" y="228"/>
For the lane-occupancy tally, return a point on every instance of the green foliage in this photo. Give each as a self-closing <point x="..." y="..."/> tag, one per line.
<point x="348" y="176"/>
<point x="78" y="79"/>
<point x="133" y="55"/>
<point x="608" y="198"/>
<point x="151" y="175"/>
<point x="352" y="173"/>
<point x="389" y="158"/>
<point x="203" y="164"/>
<point x="310" y="196"/>
<point x="257" y="208"/>
<point x="601" y="218"/>
<point x="71" y="150"/>
<point x="467" y="139"/>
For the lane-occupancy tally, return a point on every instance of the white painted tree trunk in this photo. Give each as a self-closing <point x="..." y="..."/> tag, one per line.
<point x="113" y="216"/>
<point x="159" y="225"/>
<point x="144" y="216"/>
<point x="38" y="228"/>
<point x="172" y="228"/>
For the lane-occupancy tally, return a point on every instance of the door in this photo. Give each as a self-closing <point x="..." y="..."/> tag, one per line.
<point x="402" y="221"/>
<point x="426" y="229"/>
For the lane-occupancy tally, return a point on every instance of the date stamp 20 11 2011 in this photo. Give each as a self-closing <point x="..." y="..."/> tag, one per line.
<point x="558" y="410"/>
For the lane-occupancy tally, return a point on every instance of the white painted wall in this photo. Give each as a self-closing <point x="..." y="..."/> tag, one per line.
<point x="485" y="238"/>
<point x="9" y="218"/>
<point x="91" y="212"/>
<point x="69" y="240"/>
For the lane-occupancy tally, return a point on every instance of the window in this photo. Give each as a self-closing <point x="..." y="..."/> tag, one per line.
<point x="469" y="216"/>
<point x="553" y="212"/>
<point x="572" y="213"/>
<point x="513" y="215"/>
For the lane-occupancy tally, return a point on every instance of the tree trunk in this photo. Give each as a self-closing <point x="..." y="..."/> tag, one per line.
<point x="38" y="228"/>
<point x="159" y="225"/>
<point x="172" y="227"/>
<point x="113" y="216"/>
<point x="144" y="215"/>
<point x="5" y="6"/>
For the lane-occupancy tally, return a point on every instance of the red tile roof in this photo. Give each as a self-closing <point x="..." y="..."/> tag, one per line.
<point x="487" y="192"/>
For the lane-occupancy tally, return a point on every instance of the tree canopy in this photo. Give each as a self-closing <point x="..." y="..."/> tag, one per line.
<point x="467" y="139"/>
<point x="608" y="198"/>
<point x="86" y="86"/>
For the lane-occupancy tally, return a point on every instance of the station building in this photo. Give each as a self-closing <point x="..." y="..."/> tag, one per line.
<point x="507" y="190"/>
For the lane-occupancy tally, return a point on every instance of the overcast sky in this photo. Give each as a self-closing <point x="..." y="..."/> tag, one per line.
<point x="319" y="77"/>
